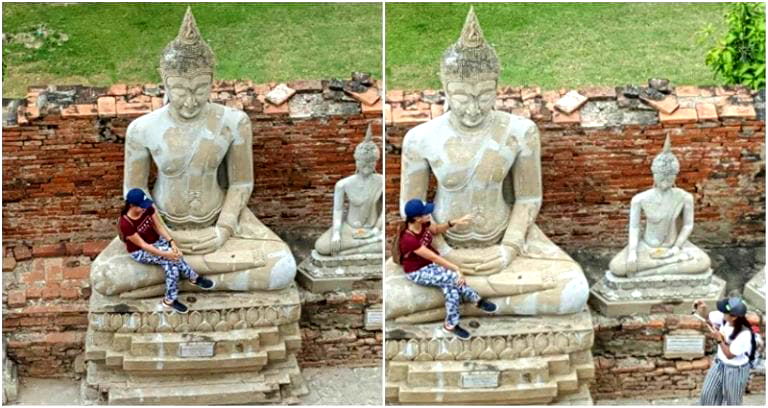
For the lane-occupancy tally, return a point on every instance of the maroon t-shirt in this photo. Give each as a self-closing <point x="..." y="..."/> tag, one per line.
<point x="144" y="226"/>
<point x="409" y="242"/>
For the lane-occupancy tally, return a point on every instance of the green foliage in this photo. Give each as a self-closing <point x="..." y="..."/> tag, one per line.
<point x="739" y="58"/>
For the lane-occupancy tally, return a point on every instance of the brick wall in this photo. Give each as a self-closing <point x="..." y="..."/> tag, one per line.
<point x="595" y="159"/>
<point x="630" y="362"/>
<point x="62" y="187"/>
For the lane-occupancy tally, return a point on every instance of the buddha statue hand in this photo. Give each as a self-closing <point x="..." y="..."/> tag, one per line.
<point x="481" y="261"/>
<point x="335" y="242"/>
<point x="631" y="263"/>
<point x="201" y="241"/>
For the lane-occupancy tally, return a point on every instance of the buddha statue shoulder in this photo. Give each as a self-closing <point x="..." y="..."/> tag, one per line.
<point x="203" y="155"/>
<point x="487" y="164"/>
<point x="661" y="245"/>
<point x="358" y="229"/>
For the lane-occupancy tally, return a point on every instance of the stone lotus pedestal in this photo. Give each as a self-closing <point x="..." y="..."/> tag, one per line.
<point x="618" y="296"/>
<point x="318" y="273"/>
<point x="754" y="292"/>
<point x="508" y="360"/>
<point x="231" y="348"/>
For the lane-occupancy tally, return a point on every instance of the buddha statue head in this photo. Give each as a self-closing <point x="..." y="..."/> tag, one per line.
<point x="366" y="154"/>
<point x="469" y="72"/>
<point x="665" y="167"/>
<point x="186" y="67"/>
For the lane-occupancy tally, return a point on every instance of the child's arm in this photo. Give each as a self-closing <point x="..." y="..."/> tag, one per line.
<point x="163" y="231"/>
<point x="139" y="242"/>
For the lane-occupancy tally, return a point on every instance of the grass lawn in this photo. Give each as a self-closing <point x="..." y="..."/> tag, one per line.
<point x="119" y="42"/>
<point x="558" y="45"/>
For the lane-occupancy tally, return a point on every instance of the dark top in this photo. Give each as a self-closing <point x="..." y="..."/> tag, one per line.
<point x="144" y="226"/>
<point x="409" y="242"/>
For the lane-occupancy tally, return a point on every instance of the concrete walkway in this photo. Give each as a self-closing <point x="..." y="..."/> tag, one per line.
<point x="327" y="386"/>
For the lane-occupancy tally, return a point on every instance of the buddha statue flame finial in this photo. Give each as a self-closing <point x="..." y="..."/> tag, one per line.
<point x="188" y="54"/>
<point x="665" y="162"/>
<point x="367" y="149"/>
<point x="471" y="57"/>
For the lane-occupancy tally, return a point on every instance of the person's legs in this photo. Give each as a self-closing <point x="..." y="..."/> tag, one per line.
<point x="437" y="276"/>
<point x="734" y="383"/>
<point x="469" y="294"/>
<point x="712" y="389"/>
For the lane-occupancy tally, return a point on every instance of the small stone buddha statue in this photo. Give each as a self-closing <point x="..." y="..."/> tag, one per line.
<point x="662" y="246"/>
<point x="203" y="155"/>
<point x="487" y="163"/>
<point x="358" y="229"/>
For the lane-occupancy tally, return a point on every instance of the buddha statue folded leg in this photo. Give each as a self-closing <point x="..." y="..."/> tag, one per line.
<point x="254" y="259"/>
<point x="528" y="286"/>
<point x="350" y="245"/>
<point x="690" y="260"/>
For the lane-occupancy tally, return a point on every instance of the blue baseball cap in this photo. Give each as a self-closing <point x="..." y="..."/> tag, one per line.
<point x="137" y="197"/>
<point x="417" y="208"/>
<point x="733" y="306"/>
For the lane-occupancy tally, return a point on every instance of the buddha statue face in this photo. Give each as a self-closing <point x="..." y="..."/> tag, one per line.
<point x="365" y="167"/>
<point x="470" y="102"/>
<point x="188" y="95"/>
<point x="664" y="181"/>
<point x="665" y="167"/>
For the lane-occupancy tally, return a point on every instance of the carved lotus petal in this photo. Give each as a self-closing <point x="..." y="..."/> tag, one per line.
<point x="98" y="321"/>
<point x="153" y="320"/>
<point x="115" y="321"/>
<point x="222" y="326"/>
<point x="541" y="341"/>
<point x="561" y="342"/>
<point x="195" y="319"/>
<point x="411" y="349"/>
<point x="391" y="348"/>
<point x="270" y="314"/>
<point x="252" y="316"/>
<point x="477" y="347"/>
<point x="233" y="317"/>
<point x="443" y="353"/>
<point x="212" y="317"/>
<point x="183" y="327"/>
<point x="499" y="344"/>
<point x="174" y="319"/>
<point x="205" y="327"/>
<point x="455" y="346"/>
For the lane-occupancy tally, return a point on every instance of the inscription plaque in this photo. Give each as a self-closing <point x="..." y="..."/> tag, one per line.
<point x="684" y="346"/>
<point x="480" y="379"/>
<point x="197" y="349"/>
<point x="373" y="318"/>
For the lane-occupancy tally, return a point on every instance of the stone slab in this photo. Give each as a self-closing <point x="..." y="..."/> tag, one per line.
<point x="614" y="296"/>
<point x="320" y="274"/>
<point x="754" y="292"/>
<point x="684" y="346"/>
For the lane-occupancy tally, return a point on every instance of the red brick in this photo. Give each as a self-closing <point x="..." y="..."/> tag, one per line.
<point x="35" y="274"/>
<point x="9" y="263"/>
<point x="394" y="96"/>
<point x="369" y="97"/>
<point x="374" y="109"/>
<point x="66" y="337"/>
<point x="106" y="107"/>
<point x="358" y="298"/>
<point x="435" y="110"/>
<point x="128" y="110"/>
<point x="683" y="365"/>
<point x="679" y="116"/>
<point x="53" y="273"/>
<point x="410" y="116"/>
<point x="70" y="293"/>
<point x="80" y="111"/>
<point x="49" y="250"/>
<point x="655" y="324"/>
<point x="51" y="291"/>
<point x="94" y="248"/>
<point x="34" y="292"/>
<point x="706" y="111"/>
<point x="566" y="119"/>
<point x="307" y="86"/>
<point x="283" y="109"/>
<point x="738" y="112"/>
<point x="700" y="364"/>
<point x="17" y="298"/>
<point x="118" y="90"/>
<point x="667" y="105"/>
<point x="691" y="323"/>
<point x="530" y="93"/>
<point x="388" y="114"/>
<point x="157" y="103"/>
<point x="74" y="248"/>
<point x="78" y="272"/>
<point x="686" y="90"/>
<point x="22" y="253"/>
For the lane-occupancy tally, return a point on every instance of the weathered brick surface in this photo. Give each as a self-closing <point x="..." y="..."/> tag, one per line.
<point x="630" y="362"/>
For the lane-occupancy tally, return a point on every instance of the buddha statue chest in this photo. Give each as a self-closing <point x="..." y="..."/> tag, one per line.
<point x="470" y="173"/>
<point x="662" y="214"/>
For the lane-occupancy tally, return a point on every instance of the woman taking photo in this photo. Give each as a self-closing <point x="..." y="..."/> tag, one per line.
<point x="423" y="265"/>
<point x="148" y="242"/>
<point x="727" y="378"/>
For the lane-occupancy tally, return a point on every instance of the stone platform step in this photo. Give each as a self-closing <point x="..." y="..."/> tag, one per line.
<point x="279" y="382"/>
<point x="233" y="341"/>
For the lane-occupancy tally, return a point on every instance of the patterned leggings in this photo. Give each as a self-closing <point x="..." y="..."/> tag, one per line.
<point x="438" y="276"/>
<point x="724" y="384"/>
<point x="171" y="268"/>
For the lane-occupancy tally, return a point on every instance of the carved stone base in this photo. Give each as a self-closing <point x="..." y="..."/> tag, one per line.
<point x="10" y="378"/>
<point x="508" y="360"/>
<point x="318" y="273"/>
<point x="754" y="292"/>
<point x="231" y="348"/>
<point x="620" y="296"/>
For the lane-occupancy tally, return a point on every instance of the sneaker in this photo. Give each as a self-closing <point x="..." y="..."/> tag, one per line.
<point x="487" y="307"/>
<point x="203" y="283"/>
<point x="459" y="332"/>
<point x="176" y="306"/>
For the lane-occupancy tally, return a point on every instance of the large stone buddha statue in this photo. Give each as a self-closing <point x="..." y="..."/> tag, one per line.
<point x="203" y="155"/>
<point x="487" y="163"/>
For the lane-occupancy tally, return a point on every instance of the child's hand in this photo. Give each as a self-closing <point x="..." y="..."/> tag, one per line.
<point x="172" y="255"/>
